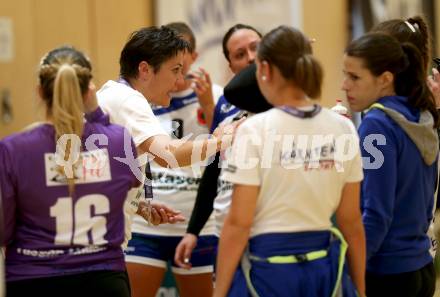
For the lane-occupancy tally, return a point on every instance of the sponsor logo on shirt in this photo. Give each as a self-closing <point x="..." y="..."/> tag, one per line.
<point x="91" y="167"/>
<point x="166" y="181"/>
<point x="224" y="187"/>
<point x="37" y="253"/>
<point x="190" y="101"/>
<point x="320" y="157"/>
<point x="227" y="107"/>
<point x="231" y="168"/>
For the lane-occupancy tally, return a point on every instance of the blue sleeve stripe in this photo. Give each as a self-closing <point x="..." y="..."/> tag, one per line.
<point x="176" y="104"/>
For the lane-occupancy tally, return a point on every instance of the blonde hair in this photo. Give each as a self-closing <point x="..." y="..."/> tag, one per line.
<point x="65" y="74"/>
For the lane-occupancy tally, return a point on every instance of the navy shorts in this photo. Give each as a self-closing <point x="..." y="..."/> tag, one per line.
<point x="158" y="251"/>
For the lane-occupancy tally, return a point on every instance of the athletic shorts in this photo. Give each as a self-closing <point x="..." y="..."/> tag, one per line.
<point x="88" y="284"/>
<point x="304" y="278"/>
<point x="157" y="251"/>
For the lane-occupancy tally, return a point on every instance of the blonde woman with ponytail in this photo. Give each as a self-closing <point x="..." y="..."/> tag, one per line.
<point x="67" y="112"/>
<point x="63" y="191"/>
<point x="290" y="175"/>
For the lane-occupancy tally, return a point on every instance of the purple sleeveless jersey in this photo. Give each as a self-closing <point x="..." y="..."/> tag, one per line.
<point x="49" y="233"/>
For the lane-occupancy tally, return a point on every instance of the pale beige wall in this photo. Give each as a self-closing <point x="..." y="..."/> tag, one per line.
<point x="17" y="76"/>
<point x="437" y="29"/>
<point x="98" y="27"/>
<point x="115" y="20"/>
<point x="327" y="21"/>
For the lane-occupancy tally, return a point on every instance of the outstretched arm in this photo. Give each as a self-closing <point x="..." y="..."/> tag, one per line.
<point x="179" y="153"/>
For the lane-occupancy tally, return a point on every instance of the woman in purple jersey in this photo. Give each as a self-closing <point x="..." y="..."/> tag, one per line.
<point x="63" y="189"/>
<point x="2" y="274"/>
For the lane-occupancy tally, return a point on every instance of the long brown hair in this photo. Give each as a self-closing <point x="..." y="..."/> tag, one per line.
<point x="381" y="52"/>
<point x="413" y="30"/>
<point x="290" y="51"/>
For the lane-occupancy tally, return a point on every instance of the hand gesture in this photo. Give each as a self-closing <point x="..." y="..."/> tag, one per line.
<point x="226" y="133"/>
<point x="434" y="85"/>
<point x="184" y="249"/>
<point x="202" y="86"/>
<point x="158" y="213"/>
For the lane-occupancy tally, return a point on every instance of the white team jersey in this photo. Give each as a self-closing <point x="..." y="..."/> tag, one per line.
<point x="130" y="109"/>
<point x="300" y="175"/>
<point x="178" y="187"/>
<point x="222" y="201"/>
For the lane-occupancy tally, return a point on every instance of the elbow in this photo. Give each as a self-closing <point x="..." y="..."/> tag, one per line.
<point x="165" y="158"/>
<point x="376" y="223"/>
<point x="375" y="233"/>
<point x="238" y="225"/>
<point x="352" y="228"/>
<point x="161" y="151"/>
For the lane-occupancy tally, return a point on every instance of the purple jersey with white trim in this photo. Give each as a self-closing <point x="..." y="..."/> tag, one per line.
<point x="49" y="233"/>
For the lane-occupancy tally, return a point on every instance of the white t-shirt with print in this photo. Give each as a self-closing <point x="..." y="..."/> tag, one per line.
<point x="301" y="168"/>
<point x="178" y="187"/>
<point x="130" y="109"/>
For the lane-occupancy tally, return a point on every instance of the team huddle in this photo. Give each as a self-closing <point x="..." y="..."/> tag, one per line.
<point x="252" y="190"/>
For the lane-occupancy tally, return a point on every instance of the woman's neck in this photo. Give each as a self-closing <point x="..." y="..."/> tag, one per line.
<point x="295" y="102"/>
<point x="133" y="83"/>
<point x="48" y="118"/>
<point x="387" y="92"/>
<point x="136" y="84"/>
<point x="291" y="97"/>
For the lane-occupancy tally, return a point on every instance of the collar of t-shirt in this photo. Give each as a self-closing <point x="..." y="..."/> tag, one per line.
<point x="124" y="82"/>
<point x="301" y="112"/>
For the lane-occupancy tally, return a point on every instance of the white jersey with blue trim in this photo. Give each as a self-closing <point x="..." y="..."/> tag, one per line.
<point x="222" y="201"/>
<point x="177" y="188"/>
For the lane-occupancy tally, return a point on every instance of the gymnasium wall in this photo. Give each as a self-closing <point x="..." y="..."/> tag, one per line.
<point x="100" y="28"/>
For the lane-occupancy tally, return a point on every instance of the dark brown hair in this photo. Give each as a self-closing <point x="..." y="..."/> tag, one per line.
<point x="184" y="30"/>
<point x="413" y="30"/>
<point x="154" y="45"/>
<point x="231" y="31"/>
<point x="290" y="51"/>
<point x="381" y="52"/>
